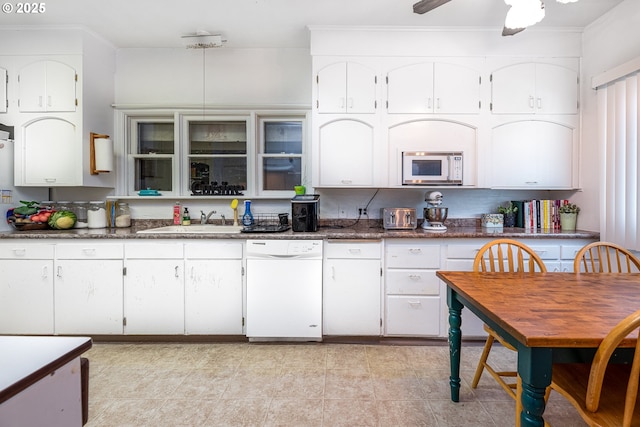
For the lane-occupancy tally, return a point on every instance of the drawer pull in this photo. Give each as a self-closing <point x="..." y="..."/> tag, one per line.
<point x="354" y="250"/>
<point x="415" y="250"/>
<point x="19" y="252"/>
<point x="415" y="277"/>
<point x="414" y="303"/>
<point x="89" y="251"/>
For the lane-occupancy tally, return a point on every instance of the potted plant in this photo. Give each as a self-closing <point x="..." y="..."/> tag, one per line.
<point x="568" y="216"/>
<point x="509" y="212"/>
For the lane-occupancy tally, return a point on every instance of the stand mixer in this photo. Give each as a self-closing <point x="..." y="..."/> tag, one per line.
<point x="434" y="213"/>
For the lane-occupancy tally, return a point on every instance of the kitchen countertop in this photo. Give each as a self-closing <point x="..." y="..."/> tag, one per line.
<point x="367" y="230"/>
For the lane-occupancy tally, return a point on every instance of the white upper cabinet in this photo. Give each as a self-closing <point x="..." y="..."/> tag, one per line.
<point x="3" y="90"/>
<point x="47" y="86"/>
<point x="533" y="154"/>
<point x="534" y="88"/>
<point x="429" y="87"/>
<point x="346" y="154"/>
<point x="346" y="87"/>
<point x="50" y="153"/>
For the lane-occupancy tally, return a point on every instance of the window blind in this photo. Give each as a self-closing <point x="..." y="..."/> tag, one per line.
<point x="618" y="116"/>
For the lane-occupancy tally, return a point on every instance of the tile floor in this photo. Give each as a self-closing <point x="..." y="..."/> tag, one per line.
<point x="297" y="385"/>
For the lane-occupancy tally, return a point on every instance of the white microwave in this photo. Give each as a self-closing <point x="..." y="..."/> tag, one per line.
<point x="431" y="168"/>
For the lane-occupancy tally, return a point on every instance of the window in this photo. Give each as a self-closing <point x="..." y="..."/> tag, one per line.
<point x="151" y="154"/>
<point x="180" y="154"/>
<point x="280" y="153"/>
<point x="217" y="155"/>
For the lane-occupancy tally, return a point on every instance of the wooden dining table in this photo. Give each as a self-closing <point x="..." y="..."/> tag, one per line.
<point x="548" y="317"/>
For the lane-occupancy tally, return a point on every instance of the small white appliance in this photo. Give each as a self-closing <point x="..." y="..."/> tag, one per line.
<point x="434" y="213"/>
<point x="432" y="168"/>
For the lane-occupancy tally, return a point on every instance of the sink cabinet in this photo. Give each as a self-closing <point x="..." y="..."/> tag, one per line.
<point x="89" y="288"/>
<point x="213" y="292"/>
<point x="26" y="288"/>
<point x="154" y="288"/>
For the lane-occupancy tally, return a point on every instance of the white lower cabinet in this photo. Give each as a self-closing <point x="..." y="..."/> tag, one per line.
<point x="213" y="292"/>
<point x="154" y="288"/>
<point x="351" y="288"/>
<point x="412" y="290"/>
<point x="88" y="288"/>
<point x="26" y="288"/>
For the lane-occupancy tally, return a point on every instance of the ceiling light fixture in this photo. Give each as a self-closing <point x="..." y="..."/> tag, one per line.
<point x="523" y="13"/>
<point x="203" y="40"/>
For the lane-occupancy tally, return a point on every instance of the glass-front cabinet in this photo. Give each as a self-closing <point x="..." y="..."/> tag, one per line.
<point x="151" y="155"/>
<point x="217" y="154"/>
<point x="280" y="153"/>
<point x="184" y="154"/>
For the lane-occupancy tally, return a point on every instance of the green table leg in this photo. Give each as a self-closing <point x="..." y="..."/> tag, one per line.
<point x="455" y="341"/>
<point x="534" y="368"/>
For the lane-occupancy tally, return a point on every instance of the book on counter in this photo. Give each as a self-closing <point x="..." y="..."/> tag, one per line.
<point x="538" y="214"/>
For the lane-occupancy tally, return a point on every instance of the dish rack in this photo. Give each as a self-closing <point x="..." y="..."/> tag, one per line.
<point x="268" y="223"/>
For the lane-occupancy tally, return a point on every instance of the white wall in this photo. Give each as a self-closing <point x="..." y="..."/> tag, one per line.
<point x="234" y="77"/>
<point x="610" y="41"/>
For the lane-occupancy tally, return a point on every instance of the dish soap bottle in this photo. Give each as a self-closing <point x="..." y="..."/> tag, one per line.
<point x="186" y="218"/>
<point x="247" y="217"/>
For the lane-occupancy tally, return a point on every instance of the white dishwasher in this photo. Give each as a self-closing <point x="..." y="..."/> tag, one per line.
<point x="284" y="290"/>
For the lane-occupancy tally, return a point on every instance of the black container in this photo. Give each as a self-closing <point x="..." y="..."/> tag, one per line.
<point x="305" y="212"/>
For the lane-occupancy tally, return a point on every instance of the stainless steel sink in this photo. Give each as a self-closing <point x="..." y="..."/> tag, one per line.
<point x="194" y="229"/>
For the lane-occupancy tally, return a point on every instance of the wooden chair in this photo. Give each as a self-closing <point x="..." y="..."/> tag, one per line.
<point x="605" y="257"/>
<point x="504" y="255"/>
<point x="597" y="390"/>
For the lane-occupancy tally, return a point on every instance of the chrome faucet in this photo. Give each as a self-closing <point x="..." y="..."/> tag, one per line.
<point x="204" y="218"/>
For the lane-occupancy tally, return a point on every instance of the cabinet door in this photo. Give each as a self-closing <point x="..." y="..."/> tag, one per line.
<point x="556" y="90"/>
<point x="532" y="154"/>
<point x="26" y="296"/>
<point x="346" y="153"/>
<point x="47" y="86"/>
<point x="361" y="89"/>
<point x="346" y="87"/>
<point x="88" y="296"/>
<point x="3" y="90"/>
<point x="61" y="87"/>
<point x="410" y="89"/>
<point x="213" y="296"/>
<point x="456" y="89"/>
<point x="351" y="302"/>
<point x="50" y="153"/>
<point x="154" y="296"/>
<point x="513" y="89"/>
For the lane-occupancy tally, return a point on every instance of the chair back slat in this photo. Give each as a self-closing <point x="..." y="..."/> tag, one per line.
<point x="507" y="255"/>
<point x="605" y="257"/>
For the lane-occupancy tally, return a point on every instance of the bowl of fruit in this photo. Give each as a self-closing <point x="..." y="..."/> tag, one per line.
<point x="29" y="216"/>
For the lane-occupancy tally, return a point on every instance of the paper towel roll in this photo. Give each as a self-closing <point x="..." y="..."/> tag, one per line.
<point x="104" y="154"/>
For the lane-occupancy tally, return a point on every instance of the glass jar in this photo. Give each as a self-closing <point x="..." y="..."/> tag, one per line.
<point x="97" y="215"/>
<point x="80" y="209"/>
<point x="123" y="215"/>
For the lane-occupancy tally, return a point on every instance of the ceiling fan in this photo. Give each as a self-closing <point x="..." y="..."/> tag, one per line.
<point x="531" y="8"/>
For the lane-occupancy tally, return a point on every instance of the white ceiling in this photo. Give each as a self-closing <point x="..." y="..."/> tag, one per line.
<point x="278" y="23"/>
